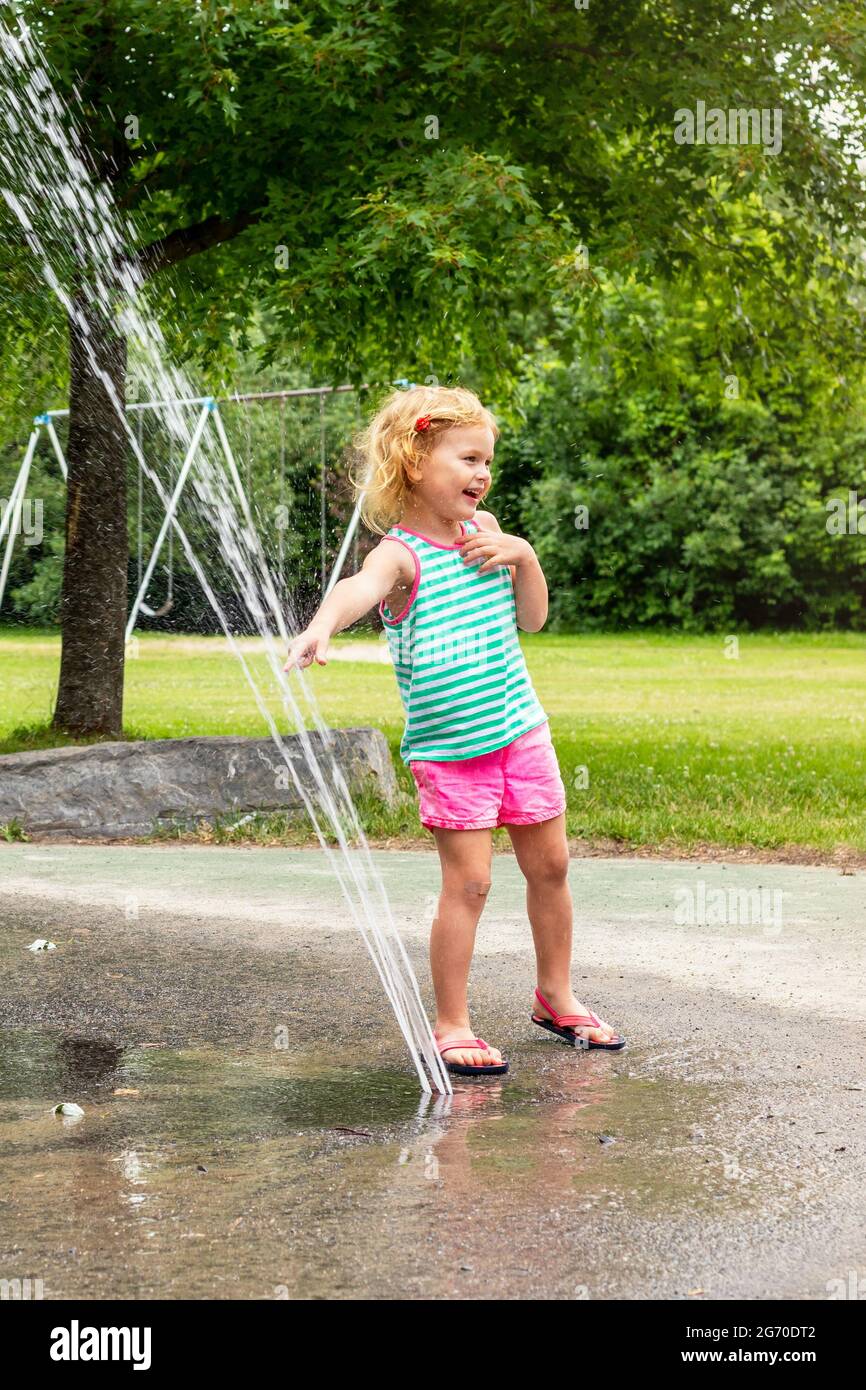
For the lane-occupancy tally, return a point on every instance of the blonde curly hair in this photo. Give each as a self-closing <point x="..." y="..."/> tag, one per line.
<point x="390" y="444"/>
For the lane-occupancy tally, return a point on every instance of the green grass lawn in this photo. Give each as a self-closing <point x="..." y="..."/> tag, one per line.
<point x="663" y="741"/>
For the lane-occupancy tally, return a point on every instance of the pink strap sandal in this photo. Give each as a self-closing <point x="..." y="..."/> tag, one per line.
<point x="461" y="1068"/>
<point x="563" y="1025"/>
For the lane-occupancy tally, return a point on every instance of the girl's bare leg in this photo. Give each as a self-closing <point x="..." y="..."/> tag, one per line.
<point x="542" y="853"/>
<point x="465" y="856"/>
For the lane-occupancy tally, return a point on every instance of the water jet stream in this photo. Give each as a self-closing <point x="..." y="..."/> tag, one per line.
<point x="69" y="222"/>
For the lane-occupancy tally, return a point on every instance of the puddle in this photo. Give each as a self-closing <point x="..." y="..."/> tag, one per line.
<point x="230" y="1172"/>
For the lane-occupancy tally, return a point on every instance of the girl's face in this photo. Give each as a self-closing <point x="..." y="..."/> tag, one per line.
<point x="455" y="475"/>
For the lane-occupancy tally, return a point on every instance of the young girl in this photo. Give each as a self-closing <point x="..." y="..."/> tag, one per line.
<point x="452" y="590"/>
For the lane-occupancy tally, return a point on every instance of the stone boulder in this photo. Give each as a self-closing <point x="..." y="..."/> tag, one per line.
<point x="116" y="790"/>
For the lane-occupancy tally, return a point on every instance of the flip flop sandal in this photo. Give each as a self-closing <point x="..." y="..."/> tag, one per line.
<point x="464" y="1069"/>
<point x="563" y="1025"/>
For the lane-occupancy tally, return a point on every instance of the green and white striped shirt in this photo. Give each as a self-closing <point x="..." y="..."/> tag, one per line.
<point x="460" y="669"/>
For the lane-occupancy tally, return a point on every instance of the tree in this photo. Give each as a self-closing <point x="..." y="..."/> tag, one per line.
<point x="423" y="190"/>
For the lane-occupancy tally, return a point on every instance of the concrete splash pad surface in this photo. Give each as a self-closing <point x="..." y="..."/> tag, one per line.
<point x="252" y="1127"/>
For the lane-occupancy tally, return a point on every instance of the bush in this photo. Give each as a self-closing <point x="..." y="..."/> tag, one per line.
<point x="657" y="508"/>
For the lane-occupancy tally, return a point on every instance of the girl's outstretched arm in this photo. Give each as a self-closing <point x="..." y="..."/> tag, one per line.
<point x="348" y="601"/>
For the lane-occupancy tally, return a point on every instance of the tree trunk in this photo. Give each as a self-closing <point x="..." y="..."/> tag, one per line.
<point x="94" y="596"/>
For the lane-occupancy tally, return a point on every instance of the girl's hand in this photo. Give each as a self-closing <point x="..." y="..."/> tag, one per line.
<point x="309" y="645"/>
<point x="494" y="548"/>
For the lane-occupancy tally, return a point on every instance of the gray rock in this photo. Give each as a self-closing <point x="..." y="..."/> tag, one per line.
<point x="129" y="789"/>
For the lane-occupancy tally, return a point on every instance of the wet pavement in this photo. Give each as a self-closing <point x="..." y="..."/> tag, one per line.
<point x="252" y="1127"/>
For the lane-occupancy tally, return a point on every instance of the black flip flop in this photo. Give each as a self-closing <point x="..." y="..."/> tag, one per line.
<point x="563" y="1025"/>
<point x="463" y="1068"/>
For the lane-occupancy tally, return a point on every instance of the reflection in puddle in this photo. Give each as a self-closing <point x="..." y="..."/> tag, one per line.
<point x="220" y="1172"/>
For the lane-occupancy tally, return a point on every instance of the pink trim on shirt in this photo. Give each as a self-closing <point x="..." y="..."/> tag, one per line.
<point x="438" y="544"/>
<point x="400" y="616"/>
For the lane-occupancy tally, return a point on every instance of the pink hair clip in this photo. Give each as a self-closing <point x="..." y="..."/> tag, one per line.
<point x="422" y="423"/>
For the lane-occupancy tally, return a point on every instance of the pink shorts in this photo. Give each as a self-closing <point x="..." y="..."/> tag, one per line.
<point x="519" y="784"/>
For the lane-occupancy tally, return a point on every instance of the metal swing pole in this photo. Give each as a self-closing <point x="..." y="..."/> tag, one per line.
<point x="12" y="514"/>
<point x="169" y="594"/>
<point x="139" y="501"/>
<point x="351" y="531"/>
<point x="281" y="546"/>
<point x="24" y="470"/>
<point x="236" y="479"/>
<point x="13" y="496"/>
<point x="169" y="515"/>
<point x="344" y="548"/>
<point x="233" y="468"/>
<point x="322" y="466"/>
<point x="52" y="435"/>
<point x="360" y="422"/>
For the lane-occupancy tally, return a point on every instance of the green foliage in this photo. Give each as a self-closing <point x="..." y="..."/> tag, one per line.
<point x="410" y="248"/>
<point x="13" y="830"/>
<point x="704" y="481"/>
<point x="33" y="585"/>
<point x="367" y="190"/>
<point x="698" y="537"/>
<point x="39" y="598"/>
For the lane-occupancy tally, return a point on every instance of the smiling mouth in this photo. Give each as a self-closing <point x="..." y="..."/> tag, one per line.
<point x="470" y="492"/>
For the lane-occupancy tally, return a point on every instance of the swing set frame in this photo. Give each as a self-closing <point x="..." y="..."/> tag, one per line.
<point x="209" y="412"/>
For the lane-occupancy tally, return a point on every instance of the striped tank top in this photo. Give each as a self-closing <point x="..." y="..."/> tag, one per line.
<point x="460" y="671"/>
